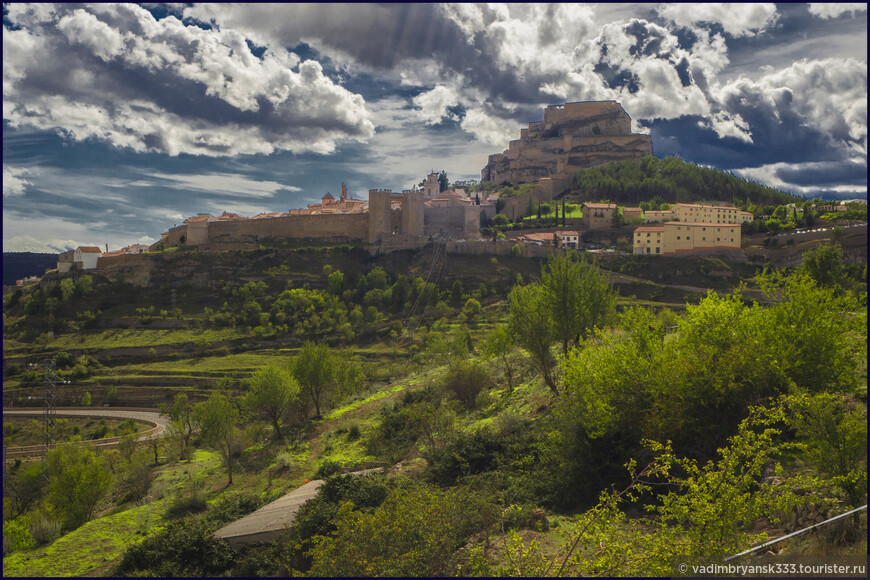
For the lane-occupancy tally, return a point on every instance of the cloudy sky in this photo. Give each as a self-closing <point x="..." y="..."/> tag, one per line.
<point x="121" y="120"/>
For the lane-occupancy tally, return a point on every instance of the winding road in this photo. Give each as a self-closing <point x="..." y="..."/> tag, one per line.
<point x="152" y="416"/>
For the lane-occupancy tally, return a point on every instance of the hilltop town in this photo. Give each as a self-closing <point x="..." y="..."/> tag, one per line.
<point x="541" y="164"/>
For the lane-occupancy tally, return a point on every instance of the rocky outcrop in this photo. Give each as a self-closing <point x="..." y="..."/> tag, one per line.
<point x="570" y="137"/>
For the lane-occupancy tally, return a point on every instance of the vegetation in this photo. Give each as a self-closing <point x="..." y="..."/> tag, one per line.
<point x="672" y="180"/>
<point x="555" y="427"/>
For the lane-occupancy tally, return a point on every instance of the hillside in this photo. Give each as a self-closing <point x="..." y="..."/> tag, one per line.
<point x="672" y="180"/>
<point x="494" y="450"/>
<point x="18" y="265"/>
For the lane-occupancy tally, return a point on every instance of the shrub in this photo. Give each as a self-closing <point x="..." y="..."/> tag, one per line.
<point x="190" y="499"/>
<point x="179" y="550"/>
<point x="231" y="507"/>
<point x="466" y="381"/>
<point x="44" y="528"/>
<point x="16" y="536"/>
<point x="327" y="468"/>
<point x="353" y="433"/>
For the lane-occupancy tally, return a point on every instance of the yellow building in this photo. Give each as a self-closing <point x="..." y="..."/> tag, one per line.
<point x="672" y="238"/>
<point x="715" y="214"/>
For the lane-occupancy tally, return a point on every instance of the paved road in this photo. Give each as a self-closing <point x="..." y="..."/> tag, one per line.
<point x="147" y="415"/>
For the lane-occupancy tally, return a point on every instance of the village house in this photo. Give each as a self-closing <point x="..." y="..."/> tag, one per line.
<point x="65" y="261"/>
<point x="629" y="214"/>
<point x="598" y="216"/>
<point x="655" y="216"/>
<point x="715" y="214"/>
<point x="85" y="257"/>
<point x="672" y="238"/>
<point x="567" y="239"/>
<point x="537" y="239"/>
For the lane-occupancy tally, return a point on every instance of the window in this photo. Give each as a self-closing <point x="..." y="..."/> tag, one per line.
<point x="718" y="239"/>
<point x="703" y="239"/>
<point x="647" y="250"/>
<point x="678" y="237"/>
<point x="658" y="250"/>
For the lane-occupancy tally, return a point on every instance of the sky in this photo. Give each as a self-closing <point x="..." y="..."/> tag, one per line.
<point x="121" y="120"/>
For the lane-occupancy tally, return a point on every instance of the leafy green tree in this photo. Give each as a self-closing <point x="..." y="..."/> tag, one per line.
<point x="825" y="265"/>
<point x="499" y="344"/>
<point x="77" y="480"/>
<point x="335" y="282"/>
<point x="23" y="490"/>
<point x="182" y="419"/>
<point x="472" y="308"/>
<point x="443" y="181"/>
<point x="217" y="417"/>
<point x="577" y="297"/>
<point x="835" y="438"/>
<point x="86" y="399"/>
<point x="324" y="375"/>
<point x="529" y="322"/>
<point x="272" y="392"/>
<point x="67" y="290"/>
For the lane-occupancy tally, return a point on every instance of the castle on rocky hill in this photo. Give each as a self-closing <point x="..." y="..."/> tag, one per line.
<point x="570" y="137"/>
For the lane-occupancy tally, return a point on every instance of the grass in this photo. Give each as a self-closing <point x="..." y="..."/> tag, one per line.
<point x="141" y="337"/>
<point x="89" y="547"/>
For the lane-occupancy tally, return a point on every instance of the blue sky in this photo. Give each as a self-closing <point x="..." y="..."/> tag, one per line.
<point x="119" y="121"/>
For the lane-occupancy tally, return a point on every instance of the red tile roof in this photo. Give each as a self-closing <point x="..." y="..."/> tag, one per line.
<point x="650" y="228"/>
<point x="90" y="250"/>
<point x="600" y="205"/>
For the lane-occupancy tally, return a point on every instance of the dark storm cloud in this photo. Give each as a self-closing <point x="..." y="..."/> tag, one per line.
<point x="825" y="174"/>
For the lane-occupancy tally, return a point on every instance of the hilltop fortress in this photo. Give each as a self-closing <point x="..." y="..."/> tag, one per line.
<point x="392" y="220"/>
<point x="570" y="137"/>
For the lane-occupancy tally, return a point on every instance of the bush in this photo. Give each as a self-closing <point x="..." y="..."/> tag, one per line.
<point x="179" y="550"/>
<point x="327" y="468"/>
<point x="466" y="381"/>
<point x="191" y="499"/>
<point x="353" y="433"/>
<point x="16" y="536"/>
<point x="231" y="507"/>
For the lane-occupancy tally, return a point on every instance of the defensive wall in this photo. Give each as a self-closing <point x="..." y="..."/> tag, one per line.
<point x="547" y="189"/>
<point x="338" y="227"/>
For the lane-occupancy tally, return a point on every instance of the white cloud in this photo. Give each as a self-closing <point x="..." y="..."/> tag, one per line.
<point x="115" y="73"/>
<point x="231" y="184"/>
<point x="769" y="175"/>
<point x="432" y="105"/>
<point x="835" y="9"/>
<point x="13" y="181"/>
<point x="736" y="19"/>
<point x="490" y="130"/>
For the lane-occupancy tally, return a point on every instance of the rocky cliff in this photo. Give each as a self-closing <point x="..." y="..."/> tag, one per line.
<point x="570" y="137"/>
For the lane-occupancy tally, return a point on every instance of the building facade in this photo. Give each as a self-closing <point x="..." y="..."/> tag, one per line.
<point x="598" y="216"/>
<point x="673" y="238"/>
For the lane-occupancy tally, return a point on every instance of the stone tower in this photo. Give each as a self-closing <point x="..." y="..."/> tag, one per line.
<point x="412" y="213"/>
<point x="380" y="215"/>
<point x="432" y="187"/>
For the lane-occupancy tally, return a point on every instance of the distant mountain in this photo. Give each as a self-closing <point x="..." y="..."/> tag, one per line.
<point x="18" y="265"/>
<point x="672" y="180"/>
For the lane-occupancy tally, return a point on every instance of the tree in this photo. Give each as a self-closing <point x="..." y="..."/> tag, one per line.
<point x="529" y="322"/>
<point x="272" y="391"/>
<point x="217" y="417"/>
<point x="324" y="375"/>
<point x="472" y="308"/>
<point x="577" y="297"/>
<point x="825" y="265"/>
<point x="499" y="344"/>
<point x="443" y="181"/>
<point x="86" y="399"/>
<point x="77" y="480"/>
<point x="182" y="420"/>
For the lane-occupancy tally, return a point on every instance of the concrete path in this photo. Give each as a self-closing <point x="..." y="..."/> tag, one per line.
<point x="146" y="415"/>
<point x="272" y="519"/>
